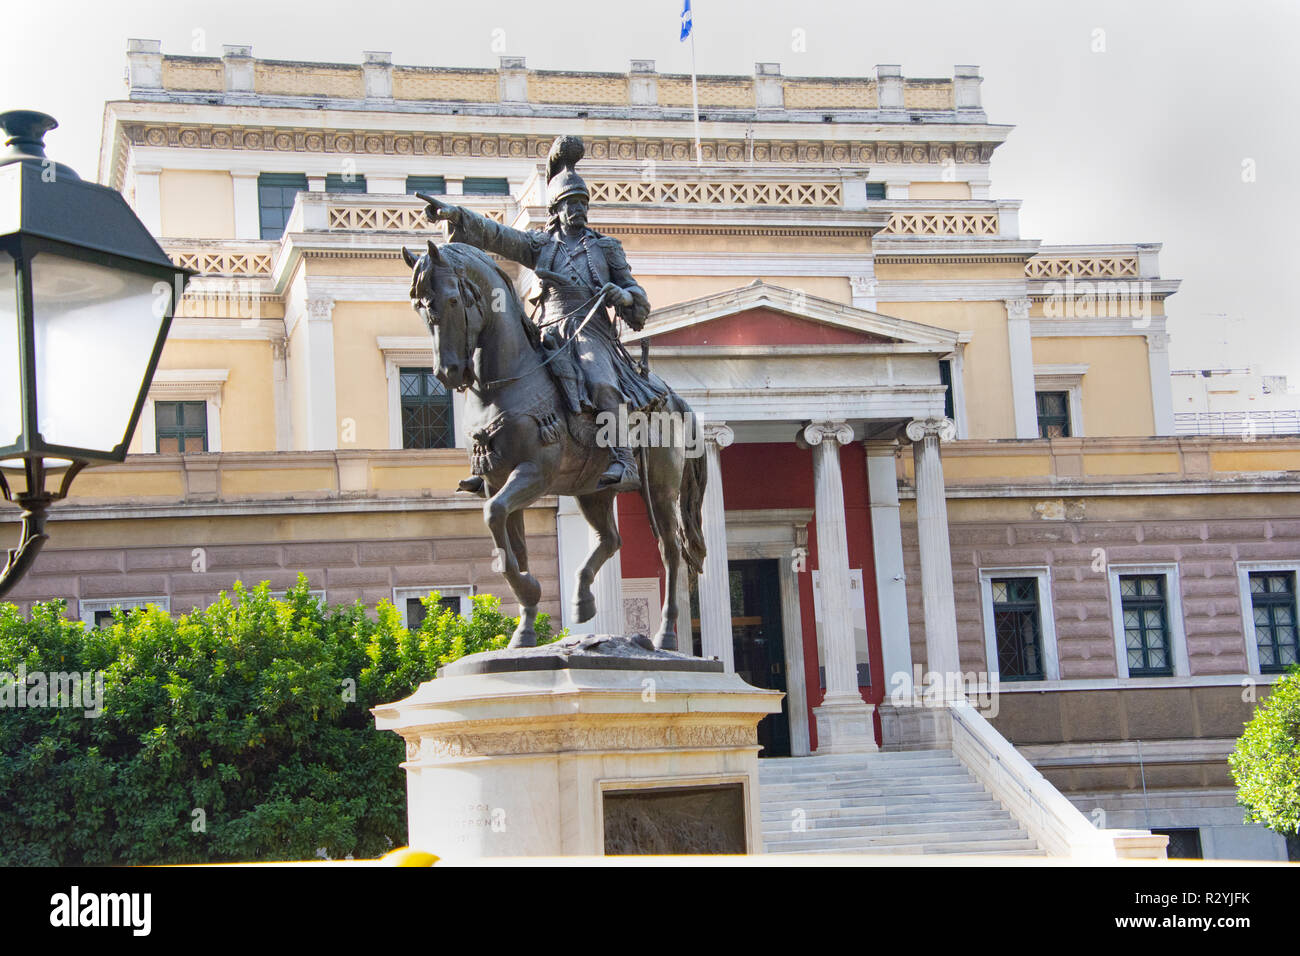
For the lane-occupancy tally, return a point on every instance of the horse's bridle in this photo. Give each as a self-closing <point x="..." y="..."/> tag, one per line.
<point x="469" y="297"/>
<point x="469" y="294"/>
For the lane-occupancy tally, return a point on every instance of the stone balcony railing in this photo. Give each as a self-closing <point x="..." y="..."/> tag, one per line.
<point x="382" y="212"/>
<point x="224" y="257"/>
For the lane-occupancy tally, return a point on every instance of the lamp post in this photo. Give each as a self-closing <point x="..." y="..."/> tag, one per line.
<point x="86" y="301"/>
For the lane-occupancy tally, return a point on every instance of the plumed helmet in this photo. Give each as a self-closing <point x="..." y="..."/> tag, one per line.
<point x="562" y="178"/>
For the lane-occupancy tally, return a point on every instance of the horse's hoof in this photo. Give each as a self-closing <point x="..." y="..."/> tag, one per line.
<point x="665" y="642"/>
<point x="584" y="609"/>
<point x="523" y="638"/>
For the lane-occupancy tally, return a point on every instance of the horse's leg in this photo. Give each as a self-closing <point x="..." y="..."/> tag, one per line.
<point x="524" y="486"/>
<point x="663" y="480"/>
<point x="519" y="546"/>
<point x="598" y="509"/>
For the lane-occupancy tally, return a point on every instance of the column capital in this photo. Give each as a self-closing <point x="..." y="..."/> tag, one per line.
<point x="320" y="309"/>
<point x="719" y="433"/>
<point x="1017" y="308"/>
<point x="918" y="429"/>
<point x="1158" y="341"/>
<point x="815" y="433"/>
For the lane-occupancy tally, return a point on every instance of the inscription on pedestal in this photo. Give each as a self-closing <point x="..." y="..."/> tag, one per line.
<point x="675" y="820"/>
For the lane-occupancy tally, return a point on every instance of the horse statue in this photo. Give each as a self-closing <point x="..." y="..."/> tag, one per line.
<point x="527" y="443"/>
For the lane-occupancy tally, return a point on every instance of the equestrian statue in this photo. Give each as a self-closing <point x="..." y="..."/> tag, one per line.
<point x="539" y="389"/>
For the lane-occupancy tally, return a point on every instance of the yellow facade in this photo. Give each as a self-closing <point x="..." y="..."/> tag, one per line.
<point x="197" y="204"/>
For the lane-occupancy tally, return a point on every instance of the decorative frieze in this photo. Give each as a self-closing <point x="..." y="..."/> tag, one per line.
<point x="1081" y="267"/>
<point x="524" y="146"/>
<point x="224" y="262"/>
<point x="941" y="224"/>
<point x="718" y="192"/>
<point x="659" y="735"/>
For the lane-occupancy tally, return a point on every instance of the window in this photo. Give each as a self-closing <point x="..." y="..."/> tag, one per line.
<point x="410" y="602"/>
<point x="100" y="613"/>
<point x="1146" y="627"/>
<point x="1147" y="620"/>
<point x="426" y="410"/>
<point x="486" y="186"/>
<point x="1184" y="842"/>
<point x="1273" y="614"/>
<point x="275" y="196"/>
<point x="181" y="426"/>
<point x="1053" y="414"/>
<point x="1017" y="629"/>
<point x="875" y="190"/>
<point x="945" y="376"/>
<point x="334" y="183"/>
<point x="433" y="185"/>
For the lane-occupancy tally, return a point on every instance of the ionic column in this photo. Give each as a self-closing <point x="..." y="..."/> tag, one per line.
<point x="714" y="584"/>
<point x="844" y="719"/>
<point x="936" y="552"/>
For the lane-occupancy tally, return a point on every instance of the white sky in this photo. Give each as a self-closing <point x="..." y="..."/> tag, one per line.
<point x="1143" y="142"/>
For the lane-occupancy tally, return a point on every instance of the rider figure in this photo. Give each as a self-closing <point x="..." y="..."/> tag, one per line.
<point x="574" y="264"/>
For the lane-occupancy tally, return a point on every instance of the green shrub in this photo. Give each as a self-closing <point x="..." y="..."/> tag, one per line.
<point x="1266" y="762"/>
<point x="239" y="732"/>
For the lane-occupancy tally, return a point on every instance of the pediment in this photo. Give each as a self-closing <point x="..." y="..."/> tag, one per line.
<point x="763" y="315"/>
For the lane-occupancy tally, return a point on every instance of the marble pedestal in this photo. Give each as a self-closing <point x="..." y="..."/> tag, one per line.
<point x="514" y="754"/>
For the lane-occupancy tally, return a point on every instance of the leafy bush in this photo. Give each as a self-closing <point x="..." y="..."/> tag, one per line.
<point x="1266" y="763"/>
<point x="238" y="732"/>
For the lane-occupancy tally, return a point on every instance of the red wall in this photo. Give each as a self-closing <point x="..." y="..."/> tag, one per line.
<point x="763" y="327"/>
<point x="761" y="476"/>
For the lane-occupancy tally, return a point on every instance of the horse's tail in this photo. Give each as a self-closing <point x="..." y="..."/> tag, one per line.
<point x="690" y="535"/>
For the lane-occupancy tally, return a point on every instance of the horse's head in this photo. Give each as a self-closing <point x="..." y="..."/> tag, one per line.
<point x="450" y="307"/>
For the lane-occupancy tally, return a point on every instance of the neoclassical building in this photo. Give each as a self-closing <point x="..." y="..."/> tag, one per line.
<point x="935" y="446"/>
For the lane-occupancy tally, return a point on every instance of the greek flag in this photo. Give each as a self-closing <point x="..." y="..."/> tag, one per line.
<point x="686" y="19"/>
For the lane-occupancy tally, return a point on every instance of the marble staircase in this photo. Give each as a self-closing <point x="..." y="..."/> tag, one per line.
<point x="909" y="802"/>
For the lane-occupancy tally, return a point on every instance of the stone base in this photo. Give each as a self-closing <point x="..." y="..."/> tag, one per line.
<point x="915" y="727"/>
<point x="516" y="760"/>
<point x="845" y="727"/>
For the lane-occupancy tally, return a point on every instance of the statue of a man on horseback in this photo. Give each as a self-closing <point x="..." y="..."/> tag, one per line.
<point x="535" y="389"/>
<point x="577" y="269"/>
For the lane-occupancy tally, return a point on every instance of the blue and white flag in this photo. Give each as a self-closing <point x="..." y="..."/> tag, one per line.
<point x="686" y="19"/>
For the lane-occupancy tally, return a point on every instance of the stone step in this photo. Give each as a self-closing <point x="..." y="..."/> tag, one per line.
<point x="919" y="850"/>
<point x="805" y="769"/>
<point x="882" y="804"/>
<point x="1021" y="846"/>
<point x="872" y="830"/>
<point x="925" y="788"/>
<point x="859" y="816"/>
<point x="850" y="780"/>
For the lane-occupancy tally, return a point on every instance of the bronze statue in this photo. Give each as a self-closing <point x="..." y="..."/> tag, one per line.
<point x="532" y="399"/>
<point x="576" y="267"/>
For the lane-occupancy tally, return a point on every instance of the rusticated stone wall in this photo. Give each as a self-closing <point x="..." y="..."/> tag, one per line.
<point x="348" y="569"/>
<point x="1198" y="533"/>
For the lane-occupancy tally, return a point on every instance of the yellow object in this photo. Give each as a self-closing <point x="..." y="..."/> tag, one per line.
<point x="406" y="856"/>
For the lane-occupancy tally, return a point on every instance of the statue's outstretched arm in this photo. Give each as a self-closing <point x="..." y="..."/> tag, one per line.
<point x="481" y="232"/>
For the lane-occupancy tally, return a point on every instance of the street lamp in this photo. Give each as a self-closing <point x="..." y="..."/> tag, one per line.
<point x="86" y="300"/>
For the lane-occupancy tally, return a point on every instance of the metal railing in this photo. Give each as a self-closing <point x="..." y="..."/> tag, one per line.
<point x="1238" y="424"/>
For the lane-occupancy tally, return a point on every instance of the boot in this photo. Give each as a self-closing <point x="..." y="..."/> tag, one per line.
<point x="622" y="474"/>
<point x="473" y="485"/>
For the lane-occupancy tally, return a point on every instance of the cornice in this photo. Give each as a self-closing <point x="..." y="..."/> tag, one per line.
<point x="366" y="137"/>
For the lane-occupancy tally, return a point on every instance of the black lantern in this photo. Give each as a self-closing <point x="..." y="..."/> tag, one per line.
<point x="86" y="301"/>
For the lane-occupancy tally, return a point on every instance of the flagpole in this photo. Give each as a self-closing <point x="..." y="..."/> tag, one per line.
<point x="695" y="97"/>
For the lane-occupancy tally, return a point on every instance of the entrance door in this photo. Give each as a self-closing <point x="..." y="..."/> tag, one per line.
<point x="757" y="642"/>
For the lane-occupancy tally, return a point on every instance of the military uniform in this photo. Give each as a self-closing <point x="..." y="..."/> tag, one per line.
<point x="595" y="372"/>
